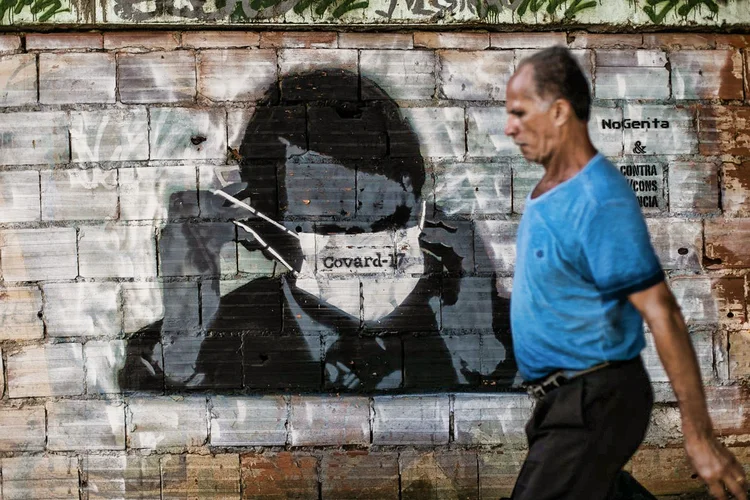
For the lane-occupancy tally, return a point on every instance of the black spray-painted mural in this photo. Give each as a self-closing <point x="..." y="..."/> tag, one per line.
<point x="365" y="285"/>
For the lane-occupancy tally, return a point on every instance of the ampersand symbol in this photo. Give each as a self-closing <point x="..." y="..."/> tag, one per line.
<point x="639" y="149"/>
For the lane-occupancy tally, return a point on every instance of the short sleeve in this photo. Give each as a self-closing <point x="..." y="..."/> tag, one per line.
<point x="618" y="250"/>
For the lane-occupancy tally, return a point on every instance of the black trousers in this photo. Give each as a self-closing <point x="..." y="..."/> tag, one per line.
<point x="582" y="434"/>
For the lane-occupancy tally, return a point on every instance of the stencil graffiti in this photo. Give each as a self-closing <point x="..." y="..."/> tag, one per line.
<point x="364" y="286"/>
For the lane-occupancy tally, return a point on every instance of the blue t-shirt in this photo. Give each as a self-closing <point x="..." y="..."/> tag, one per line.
<point x="582" y="248"/>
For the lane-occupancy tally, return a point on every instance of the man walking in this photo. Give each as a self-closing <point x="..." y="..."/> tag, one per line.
<point x="586" y="275"/>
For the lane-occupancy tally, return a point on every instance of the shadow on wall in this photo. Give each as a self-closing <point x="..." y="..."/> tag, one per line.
<point x="348" y="284"/>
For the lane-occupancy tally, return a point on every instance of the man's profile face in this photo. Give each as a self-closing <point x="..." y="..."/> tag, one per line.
<point x="529" y="122"/>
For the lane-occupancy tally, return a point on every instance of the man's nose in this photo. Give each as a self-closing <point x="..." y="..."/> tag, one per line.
<point x="510" y="127"/>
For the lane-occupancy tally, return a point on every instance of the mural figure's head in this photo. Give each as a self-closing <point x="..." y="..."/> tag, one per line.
<point x="331" y="147"/>
<point x="547" y="98"/>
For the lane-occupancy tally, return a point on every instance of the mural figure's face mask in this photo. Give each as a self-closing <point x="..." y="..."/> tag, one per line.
<point x="360" y="266"/>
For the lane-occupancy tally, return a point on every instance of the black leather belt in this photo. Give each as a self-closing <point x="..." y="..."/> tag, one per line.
<point x="561" y="377"/>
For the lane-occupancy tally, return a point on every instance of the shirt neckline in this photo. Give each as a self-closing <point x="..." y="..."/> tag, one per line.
<point x="531" y="201"/>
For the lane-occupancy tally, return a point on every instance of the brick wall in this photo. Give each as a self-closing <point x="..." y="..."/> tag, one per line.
<point x="125" y="283"/>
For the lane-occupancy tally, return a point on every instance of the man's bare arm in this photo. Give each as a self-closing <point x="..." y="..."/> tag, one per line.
<point x="712" y="461"/>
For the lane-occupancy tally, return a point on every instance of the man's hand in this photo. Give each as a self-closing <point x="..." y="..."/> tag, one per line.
<point x="711" y="460"/>
<point x="717" y="467"/>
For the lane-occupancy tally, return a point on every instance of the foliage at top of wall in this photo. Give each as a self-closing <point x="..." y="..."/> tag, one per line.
<point x="656" y="12"/>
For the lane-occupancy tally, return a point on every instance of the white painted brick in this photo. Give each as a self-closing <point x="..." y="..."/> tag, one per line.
<point x="703" y="345"/>
<point x="165" y="422"/>
<point x="34" y="138"/>
<point x="10" y="43"/>
<point x="210" y="477"/>
<point x="486" y="136"/>
<point x="73" y="78"/>
<point x="632" y="83"/>
<point x="706" y="74"/>
<point x="121" y="476"/>
<point x="117" y="251"/>
<point x="475" y="76"/>
<point x="473" y="188"/>
<point x="78" y="309"/>
<point x="173" y="131"/>
<point x="416" y="420"/>
<point x="156" y="77"/>
<point x="498" y="238"/>
<point x="492" y="419"/>
<point x="146" y="192"/>
<point x="79" y="194"/>
<point x="526" y="176"/>
<point x="694" y="188"/>
<point x="526" y="40"/>
<point x="38" y="254"/>
<point x="678" y="242"/>
<point x="19" y="196"/>
<point x="104" y="359"/>
<point x="295" y="61"/>
<point x="17" y="80"/>
<point x="451" y="40"/>
<point x="20" y="310"/>
<point x="40" y="478"/>
<point x="324" y="420"/>
<point x="85" y="425"/>
<point x="237" y="122"/>
<point x="695" y="296"/>
<point x="47" y="370"/>
<point x="630" y="58"/>
<point x="401" y="74"/>
<point x="236" y="75"/>
<point x="248" y="421"/>
<point x="735" y="197"/>
<point x="109" y="135"/>
<point x="607" y="141"/>
<point x="175" y="304"/>
<point x="2" y="375"/>
<point x="440" y="130"/>
<point x="679" y="138"/>
<point x="22" y="429"/>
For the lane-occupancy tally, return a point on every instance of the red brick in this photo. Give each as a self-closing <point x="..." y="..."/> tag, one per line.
<point x="141" y="41"/>
<point x="59" y="41"/>
<point x="693" y="187"/>
<point x="526" y="40"/>
<point x="201" y="476"/>
<point x="727" y="241"/>
<point x="604" y="41"/>
<point x="732" y="41"/>
<point x="466" y="41"/>
<point x="219" y="39"/>
<point x="739" y="355"/>
<point x="724" y="130"/>
<point x="706" y="74"/>
<point x="360" y="474"/>
<point x="451" y="474"/>
<point x="498" y="472"/>
<point x="375" y="41"/>
<point x="279" y="475"/>
<point x="314" y="40"/>
<point x="727" y="406"/>
<point x="736" y="189"/>
<point x="679" y="40"/>
<point x="9" y="43"/>
<point x="729" y="293"/>
<point x="665" y="471"/>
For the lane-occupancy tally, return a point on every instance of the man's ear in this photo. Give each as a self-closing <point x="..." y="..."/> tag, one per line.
<point x="562" y="111"/>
